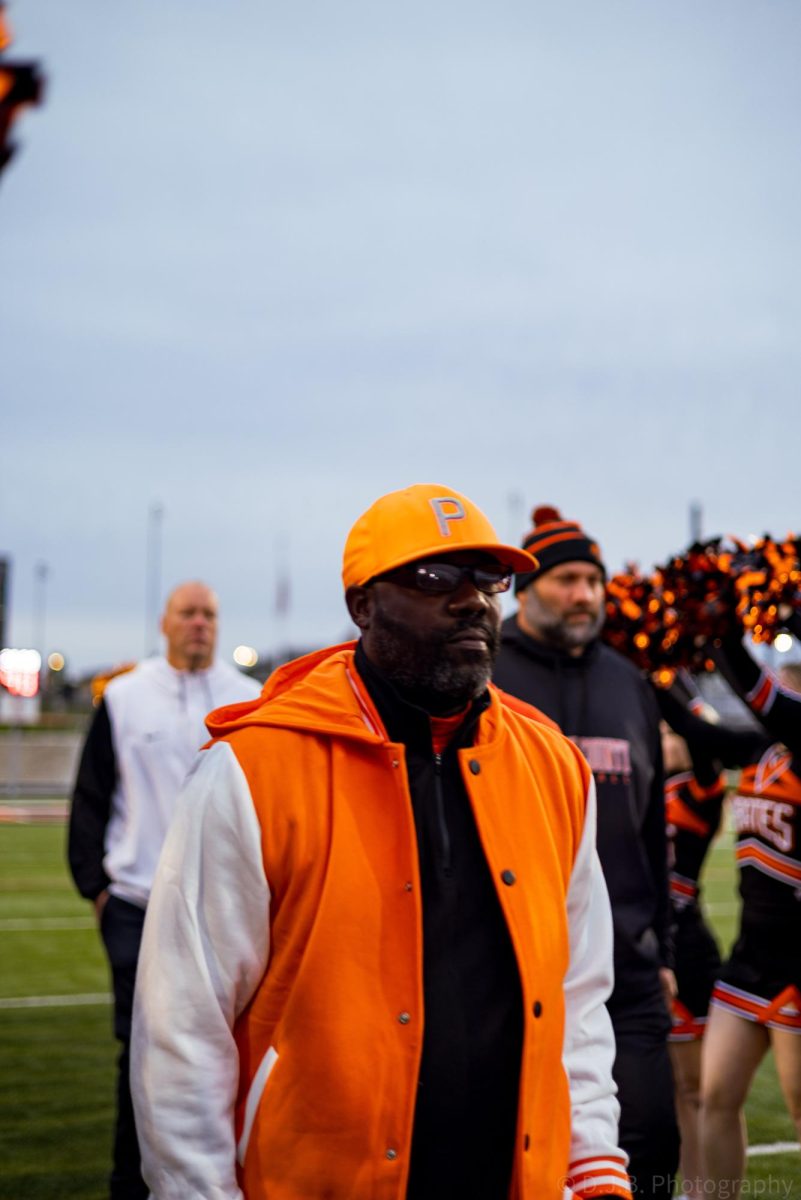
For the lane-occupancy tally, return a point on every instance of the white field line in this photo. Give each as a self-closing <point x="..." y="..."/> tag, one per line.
<point x="773" y="1148"/>
<point x="55" y="1001"/>
<point x="49" y="924"/>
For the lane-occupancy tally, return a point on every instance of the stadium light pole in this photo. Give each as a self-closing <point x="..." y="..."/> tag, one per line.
<point x="516" y="508"/>
<point x="40" y="573"/>
<point x="21" y="85"/>
<point x="155" y="518"/>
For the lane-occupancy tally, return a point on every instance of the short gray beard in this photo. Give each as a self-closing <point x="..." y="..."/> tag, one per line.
<point x="556" y="631"/>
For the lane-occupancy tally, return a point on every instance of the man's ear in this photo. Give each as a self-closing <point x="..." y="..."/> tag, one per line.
<point x="360" y="605"/>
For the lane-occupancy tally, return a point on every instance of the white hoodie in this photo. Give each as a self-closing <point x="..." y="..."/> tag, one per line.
<point x="157" y="716"/>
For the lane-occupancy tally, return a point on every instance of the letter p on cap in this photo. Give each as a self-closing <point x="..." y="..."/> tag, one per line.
<point x="446" y="509"/>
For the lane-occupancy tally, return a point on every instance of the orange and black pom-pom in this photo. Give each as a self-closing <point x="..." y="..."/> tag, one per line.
<point x="545" y="514"/>
<point x="664" y="622"/>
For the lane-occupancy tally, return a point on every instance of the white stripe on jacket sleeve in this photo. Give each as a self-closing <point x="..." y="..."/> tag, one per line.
<point x="589" y="1047"/>
<point x="205" y="948"/>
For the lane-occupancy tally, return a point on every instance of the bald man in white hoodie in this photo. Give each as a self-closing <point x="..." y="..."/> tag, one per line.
<point x="144" y="737"/>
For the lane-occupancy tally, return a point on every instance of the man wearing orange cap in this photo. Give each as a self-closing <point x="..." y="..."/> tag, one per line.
<point x="378" y="946"/>
<point x="551" y="656"/>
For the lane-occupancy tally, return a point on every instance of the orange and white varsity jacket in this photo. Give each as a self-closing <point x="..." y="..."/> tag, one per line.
<point x="279" y="1019"/>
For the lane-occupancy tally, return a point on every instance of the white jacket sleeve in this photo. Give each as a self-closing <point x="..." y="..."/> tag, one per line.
<point x="596" y="1162"/>
<point x="204" y="950"/>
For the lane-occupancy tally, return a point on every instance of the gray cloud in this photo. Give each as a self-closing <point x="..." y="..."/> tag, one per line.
<point x="263" y="265"/>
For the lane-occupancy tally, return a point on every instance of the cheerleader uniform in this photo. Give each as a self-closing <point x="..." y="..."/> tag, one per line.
<point x="693" y="802"/>
<point x="761" y="981"/>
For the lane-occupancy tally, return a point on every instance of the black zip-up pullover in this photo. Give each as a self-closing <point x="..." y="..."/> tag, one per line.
<point x="600" y="700"/>
<point x="473" y="1039"/>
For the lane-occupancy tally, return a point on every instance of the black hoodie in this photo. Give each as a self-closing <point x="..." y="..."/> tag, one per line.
<point x="600" y="700"/>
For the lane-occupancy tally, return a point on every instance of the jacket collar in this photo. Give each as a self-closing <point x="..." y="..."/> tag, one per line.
<point x="322" y="693"/>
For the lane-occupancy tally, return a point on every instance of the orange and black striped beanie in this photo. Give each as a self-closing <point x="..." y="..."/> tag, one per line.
<point x="552" y="541"/>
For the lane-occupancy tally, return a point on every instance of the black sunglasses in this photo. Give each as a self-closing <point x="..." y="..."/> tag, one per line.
<point x="442" y="577"/>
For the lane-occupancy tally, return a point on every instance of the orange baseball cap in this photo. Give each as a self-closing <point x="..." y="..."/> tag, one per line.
<point x="418" y="522"/>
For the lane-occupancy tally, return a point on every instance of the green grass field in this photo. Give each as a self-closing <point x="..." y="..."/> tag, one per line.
<point x="57" y="1062"/>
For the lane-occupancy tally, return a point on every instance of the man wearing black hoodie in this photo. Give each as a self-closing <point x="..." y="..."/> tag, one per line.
<point x="551" y="656"/>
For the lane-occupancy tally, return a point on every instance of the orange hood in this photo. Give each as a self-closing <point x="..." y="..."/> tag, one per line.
<point x="307" y="693"/>
<point x="313" y="693"/>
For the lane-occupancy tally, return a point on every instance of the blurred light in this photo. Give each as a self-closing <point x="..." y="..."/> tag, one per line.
<point x="19" y="671"/>
<point x="246" y="656"/>
<point x="55" y="661"/>
<point x="783" y="642"/>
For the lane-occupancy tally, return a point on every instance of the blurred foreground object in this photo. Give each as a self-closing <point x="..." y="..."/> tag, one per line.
<point x="665" y="621"/>
<point x="21" y="84"/>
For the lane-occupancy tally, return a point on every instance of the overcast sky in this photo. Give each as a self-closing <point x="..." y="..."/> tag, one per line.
<point x="261" y="264"/>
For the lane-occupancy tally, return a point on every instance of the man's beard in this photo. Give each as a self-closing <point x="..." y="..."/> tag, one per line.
<point x="198" y="658"/>
<point x="197" y="662"/>
<point x="429" y="673"/>
<point x="557" y="630"/>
